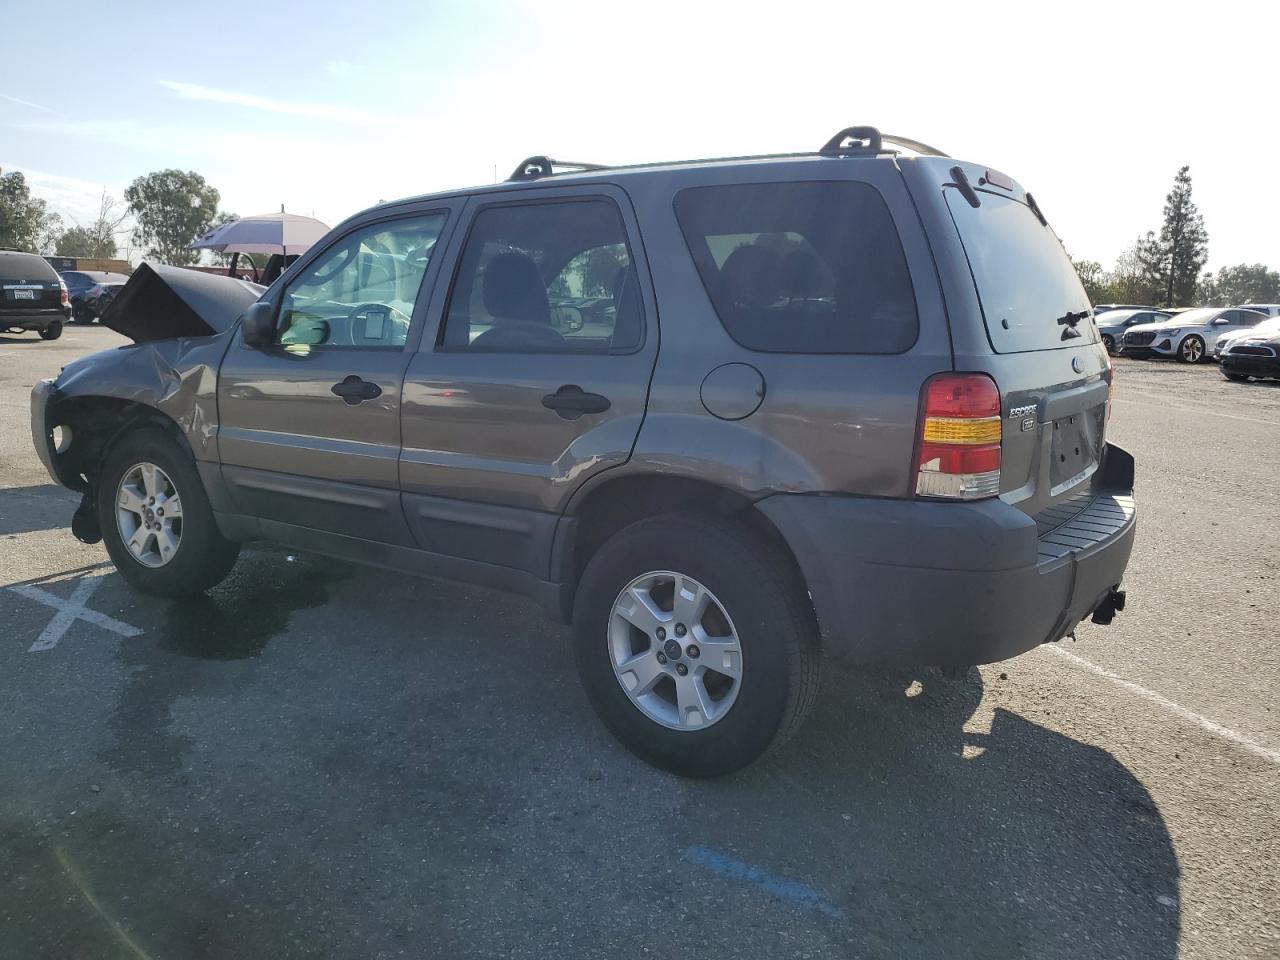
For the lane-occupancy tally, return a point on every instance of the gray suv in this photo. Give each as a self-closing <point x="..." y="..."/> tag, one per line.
<point x="847" y="403"/>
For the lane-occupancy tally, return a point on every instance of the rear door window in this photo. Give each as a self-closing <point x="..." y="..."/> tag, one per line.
<point x="809" y="267"/>
<point x="1030" y="294"/>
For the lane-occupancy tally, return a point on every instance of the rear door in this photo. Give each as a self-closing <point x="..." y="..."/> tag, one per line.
<point x="1019" y="313"/>
<point x="537" y="378"/>
<point x="309" y="429"/>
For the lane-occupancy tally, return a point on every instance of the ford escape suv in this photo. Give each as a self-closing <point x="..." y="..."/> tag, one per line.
<point x="724" y="417"/>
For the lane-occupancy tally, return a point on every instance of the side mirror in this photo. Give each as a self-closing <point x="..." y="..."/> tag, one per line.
<point x="258" y="325"/>
<point x="1221" y="322"/>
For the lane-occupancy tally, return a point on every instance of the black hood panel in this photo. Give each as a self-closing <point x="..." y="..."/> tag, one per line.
<point x="161" y="303"/>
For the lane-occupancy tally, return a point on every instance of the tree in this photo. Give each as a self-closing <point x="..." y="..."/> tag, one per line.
<point x="1243" y="283"/>
<point x="1093" y="278"/>
<point x="172" y="208"/>
<point x="1174" y="259"/>
<point x="98" y="240"/>
<point x="25" y="221"/>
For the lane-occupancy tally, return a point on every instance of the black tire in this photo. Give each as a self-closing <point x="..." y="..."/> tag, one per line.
<point x="1109" y="342"/>
<point x="1191" y="349"/>
<point x="52" y="332"/>
<point x="204" y="557"/>
<point x="775" y="623"/>
<point x="81" y="314"/>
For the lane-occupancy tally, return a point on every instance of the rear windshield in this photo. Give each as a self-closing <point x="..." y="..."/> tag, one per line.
<point x="25" y="266"/>
<point x="812" y="267"/>
<point x="1028" y="289"/>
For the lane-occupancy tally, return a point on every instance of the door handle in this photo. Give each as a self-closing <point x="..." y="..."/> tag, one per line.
<point x="353" y="390"/>
<point x="570" y="402"/>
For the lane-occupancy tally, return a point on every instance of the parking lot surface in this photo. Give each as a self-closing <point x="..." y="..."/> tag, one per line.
<point x="321" y="760"/>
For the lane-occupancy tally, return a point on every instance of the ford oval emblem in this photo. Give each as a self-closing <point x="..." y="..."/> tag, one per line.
<point x="1077" y="364"/>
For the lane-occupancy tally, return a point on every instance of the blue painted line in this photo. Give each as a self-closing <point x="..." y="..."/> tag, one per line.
<point x="795" y="893"/>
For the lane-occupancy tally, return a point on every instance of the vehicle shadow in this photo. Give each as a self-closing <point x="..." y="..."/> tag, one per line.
<point x="44" y="507"/>
<point x="937" y="839"/>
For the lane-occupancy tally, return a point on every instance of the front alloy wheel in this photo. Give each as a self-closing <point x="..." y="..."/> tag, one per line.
<point x="149" y="515"/>
<point x="1192" y="350"/>
<point x="675" y="651"/>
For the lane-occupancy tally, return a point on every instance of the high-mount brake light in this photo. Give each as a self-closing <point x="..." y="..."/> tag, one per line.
<point x="959" y="442"/>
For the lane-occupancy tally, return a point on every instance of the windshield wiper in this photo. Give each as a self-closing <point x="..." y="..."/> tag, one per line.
<point x="1068" y="321"/>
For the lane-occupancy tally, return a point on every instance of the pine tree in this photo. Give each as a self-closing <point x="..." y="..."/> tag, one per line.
<point x="1175" y="258"/>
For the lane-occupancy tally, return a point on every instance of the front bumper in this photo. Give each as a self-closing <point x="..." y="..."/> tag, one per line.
<point x="1250" y="366"/>
<point x="921" y="583"/>
<point x="42" y="394"/>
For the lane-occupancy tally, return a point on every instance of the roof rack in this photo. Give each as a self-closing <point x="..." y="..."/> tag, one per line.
<point x="537" y="167"/>
<point x="849" y="142"/>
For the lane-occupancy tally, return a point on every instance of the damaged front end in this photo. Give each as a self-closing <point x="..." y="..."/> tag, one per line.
<point x="179" y="321"/>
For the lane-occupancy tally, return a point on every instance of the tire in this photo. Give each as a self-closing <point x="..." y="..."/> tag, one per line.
<point x="765" y="609"/>
<point x="1109" y="342"/>
<point x="1191" y="349"/>
<point x="52" y="332"/>
<point x="202" y="557"/>
<point x="81" y="314"/>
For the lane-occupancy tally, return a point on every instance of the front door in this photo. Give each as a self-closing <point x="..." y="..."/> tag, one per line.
<point x="309" y="430"/>
<point x="537" y="379"/>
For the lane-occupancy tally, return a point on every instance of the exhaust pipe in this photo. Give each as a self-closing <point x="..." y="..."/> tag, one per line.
<point x="1111" y="604"/>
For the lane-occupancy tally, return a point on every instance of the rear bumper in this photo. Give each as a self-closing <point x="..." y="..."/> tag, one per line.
<point x="33" y="319"/>
<point x="920" y="583"/>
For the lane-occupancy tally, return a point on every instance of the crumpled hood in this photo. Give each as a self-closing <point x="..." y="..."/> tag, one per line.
<point x="161" y="303"/>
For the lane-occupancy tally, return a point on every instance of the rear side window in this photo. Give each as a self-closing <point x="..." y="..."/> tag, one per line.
<point x="1031" y="297"/>
<point x="26" y="266"/>
<point x="811" y="267"/>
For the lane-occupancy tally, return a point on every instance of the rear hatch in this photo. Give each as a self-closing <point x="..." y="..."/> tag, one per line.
<point x="28" y="285"/>
<point x="1033" y="331"/>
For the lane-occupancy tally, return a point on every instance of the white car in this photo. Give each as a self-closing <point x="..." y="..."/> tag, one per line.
<point x="1267" y="328"/>
<point x="1190" y="336"/>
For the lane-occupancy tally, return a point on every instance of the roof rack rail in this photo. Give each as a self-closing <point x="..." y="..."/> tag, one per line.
<point x="537" y="167"/>
<point x="868" y="141"/>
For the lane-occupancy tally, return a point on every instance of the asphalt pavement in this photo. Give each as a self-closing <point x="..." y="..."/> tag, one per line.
<point x="321" y="760"/>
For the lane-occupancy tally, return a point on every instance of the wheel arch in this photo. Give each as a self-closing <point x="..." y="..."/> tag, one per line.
<point x="96" y="424"/>
<point x="617" y="502"/>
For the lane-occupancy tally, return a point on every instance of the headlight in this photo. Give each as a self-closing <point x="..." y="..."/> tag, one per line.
<point x="1173" y="333"/>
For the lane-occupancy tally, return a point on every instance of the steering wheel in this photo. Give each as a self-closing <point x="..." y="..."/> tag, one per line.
<point x="392" y="318"/>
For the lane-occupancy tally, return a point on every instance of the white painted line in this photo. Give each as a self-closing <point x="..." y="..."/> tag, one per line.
<point x="69" y="611"/>
<point x="1204" y="723"/>
<point x="1200" y="410"/>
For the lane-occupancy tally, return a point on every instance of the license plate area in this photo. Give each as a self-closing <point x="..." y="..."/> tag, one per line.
<point x="1076" y="444"/>
<point x="24" y="294"/>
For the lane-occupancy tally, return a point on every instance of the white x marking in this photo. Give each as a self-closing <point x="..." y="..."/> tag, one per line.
<point x="69" y="611"/>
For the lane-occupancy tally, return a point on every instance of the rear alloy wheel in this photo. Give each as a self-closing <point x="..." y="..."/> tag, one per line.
<point x="696" y="643"/>
<point x="1109" y="342"/>
<point x="52" y="332"/>
<point x="1191" y="350"/>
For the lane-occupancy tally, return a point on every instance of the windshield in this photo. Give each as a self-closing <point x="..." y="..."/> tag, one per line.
<point x="1191" y="318"/>
<point x="1031" y="297"/>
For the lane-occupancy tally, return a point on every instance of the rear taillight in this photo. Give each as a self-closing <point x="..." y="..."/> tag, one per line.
<point x="959" y="442"/>
<point x="63" y="287"/>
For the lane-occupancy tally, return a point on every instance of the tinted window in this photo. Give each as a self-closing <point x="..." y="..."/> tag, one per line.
<point x="26" y="266"/>
<point x="361" y="291"/>
<point x="801" y="267"/>
<point x="1025" y="281"/>
<point x="546" y="277"/>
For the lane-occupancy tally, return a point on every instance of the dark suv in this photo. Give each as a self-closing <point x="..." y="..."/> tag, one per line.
<point x="32" y="295"/>
<point x="847" y="403"/>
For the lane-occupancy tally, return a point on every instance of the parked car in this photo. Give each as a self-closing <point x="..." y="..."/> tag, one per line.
<point x="91" y="292"/>
<point x="1253" y="353"/>
<point x="1104" y="307"/>
<point x="1227" y="339"/>
<point x="1113" y="323"/>
<point x="829" y="451"/>
<point x="1270" y="309"/>
<point x="34" y="296"/>
<point x="1190" y="336"/>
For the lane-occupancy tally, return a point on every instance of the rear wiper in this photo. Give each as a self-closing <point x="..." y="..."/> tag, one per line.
<point x="1068" y="321"/>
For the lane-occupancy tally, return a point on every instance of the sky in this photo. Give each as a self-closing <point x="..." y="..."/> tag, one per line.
<point x="328" y="108"/>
